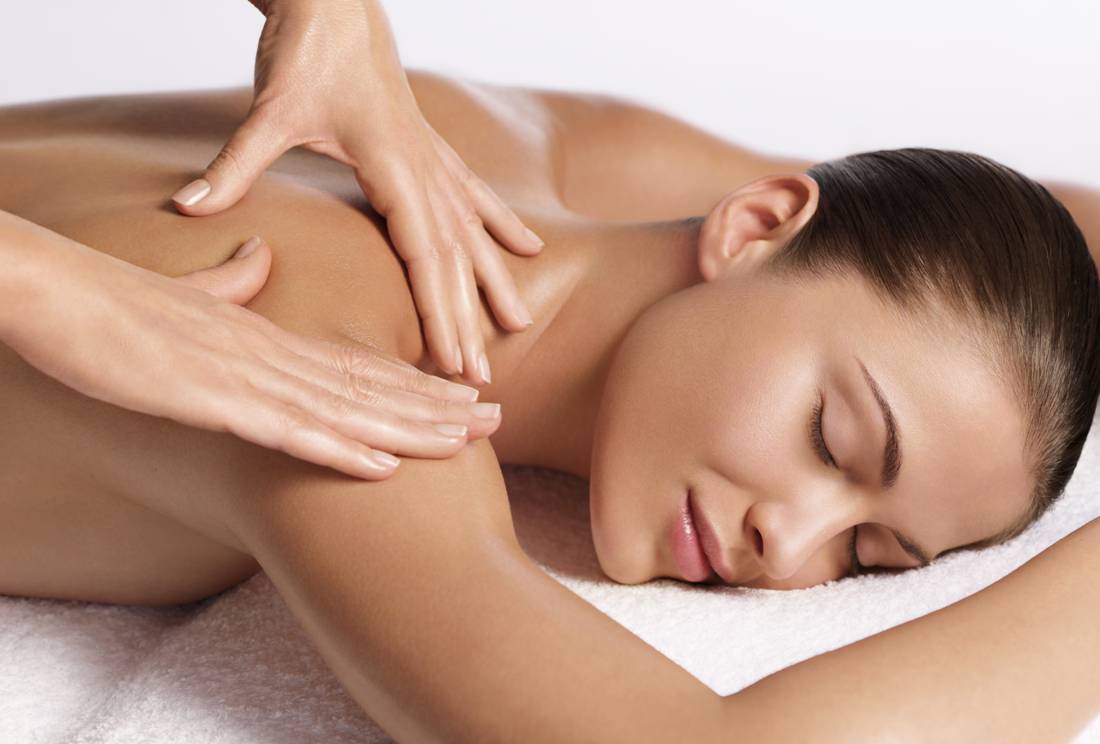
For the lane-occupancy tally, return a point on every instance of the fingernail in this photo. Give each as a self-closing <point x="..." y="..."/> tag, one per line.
<point x="192" y="193"/>
<point x="458" y="361"/>
<point x="483" y="367"/>
<point x="486" y="410"/>
<point x="524" y="316"/>
<point x="385" y="459"/>
<point x="451" y="430"/>
<point x="535" y="238"/>
<point x="248" y="248"/>
<point x="464" y="390"/>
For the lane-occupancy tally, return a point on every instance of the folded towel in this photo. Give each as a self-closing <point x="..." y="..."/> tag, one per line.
<point x="236" y="669"/>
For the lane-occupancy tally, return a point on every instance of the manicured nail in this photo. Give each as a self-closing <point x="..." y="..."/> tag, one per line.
<point x="483" y="368"/>
<point x="192" y="193"/>
<point x="451" y="430"/>
<point x="458" y="361"/>
<point x="535" y="238"/>
<point x="486" y="411"/>
<point x="248" y="248"/>
<point x="385" y="459"/>
<point x="467" y="392"/>
<point x="523" y="315"/>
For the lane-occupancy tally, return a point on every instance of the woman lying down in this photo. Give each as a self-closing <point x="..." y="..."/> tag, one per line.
<point x="773" y="373"/>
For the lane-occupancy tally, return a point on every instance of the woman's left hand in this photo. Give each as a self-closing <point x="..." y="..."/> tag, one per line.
<point x="328" y="78"/>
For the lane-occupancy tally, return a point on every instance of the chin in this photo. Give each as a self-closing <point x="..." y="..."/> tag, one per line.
<point x="625" y="577"/>
<point x="623" y="564"/>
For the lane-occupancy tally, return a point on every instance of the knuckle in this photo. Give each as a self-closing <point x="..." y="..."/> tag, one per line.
<point x="338" y="406"/>
<point x="362" y="392"/>
<point x="292" y="424"/>
<point x="440" y="409"/>
<point x="471" y="219"/>
<point x="351" y="362"/>
<point x="466" y="176"/>
<point x="430" y="254"/>
<point x="228" y="158"/>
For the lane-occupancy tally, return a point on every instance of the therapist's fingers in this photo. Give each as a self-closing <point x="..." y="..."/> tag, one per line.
<point x="429" y="258"/>
<point x="487" y="267"/>
<point x="299" y="434"/>
<point x="256" y="144"/>
<point x="496" y="216"/>
<point x="372" y="380"/>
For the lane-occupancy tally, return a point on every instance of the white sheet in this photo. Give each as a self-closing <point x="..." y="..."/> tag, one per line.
<point x="237" y="669"/>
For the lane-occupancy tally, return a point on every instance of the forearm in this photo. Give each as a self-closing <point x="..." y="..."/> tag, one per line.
<point x="1018" y="661"/>
<point x="441" y="628"/>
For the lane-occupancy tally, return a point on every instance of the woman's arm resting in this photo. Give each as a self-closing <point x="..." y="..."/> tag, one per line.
<point x="419" y="596"/>
<point x="1018" y="661"/>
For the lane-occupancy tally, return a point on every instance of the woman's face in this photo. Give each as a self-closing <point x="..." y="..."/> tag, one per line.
<point x="713" y="394"/>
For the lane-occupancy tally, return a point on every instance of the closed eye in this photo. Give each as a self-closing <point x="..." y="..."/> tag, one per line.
<point x="817" y="436"/>
<point x="855" y="568"/>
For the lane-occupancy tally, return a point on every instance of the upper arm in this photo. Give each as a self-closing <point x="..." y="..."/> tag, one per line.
<point x="418" y="596"/>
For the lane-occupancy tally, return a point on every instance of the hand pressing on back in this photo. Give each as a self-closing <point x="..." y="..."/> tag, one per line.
<point x="184" y="348"/>
<point x="328" y="78"/>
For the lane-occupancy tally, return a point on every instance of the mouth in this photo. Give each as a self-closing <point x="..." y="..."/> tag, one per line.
<point x="695" y="546"/>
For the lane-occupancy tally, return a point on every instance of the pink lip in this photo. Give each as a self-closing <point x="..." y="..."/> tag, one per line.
<point x="709" y="541"/>
<point x="694" y="546"/>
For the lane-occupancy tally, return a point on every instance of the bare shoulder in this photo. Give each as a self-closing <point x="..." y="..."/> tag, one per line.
<point x="621" y="159"/>
<point x="427" y="509"/>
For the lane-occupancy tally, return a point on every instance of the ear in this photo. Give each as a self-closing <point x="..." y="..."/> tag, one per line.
<point x="748" y="225"/>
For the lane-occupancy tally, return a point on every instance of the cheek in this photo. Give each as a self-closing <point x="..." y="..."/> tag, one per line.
<point x="650" y="430"/>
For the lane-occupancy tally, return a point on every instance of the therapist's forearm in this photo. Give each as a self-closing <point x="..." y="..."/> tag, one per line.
<point x="1018" y="661"/>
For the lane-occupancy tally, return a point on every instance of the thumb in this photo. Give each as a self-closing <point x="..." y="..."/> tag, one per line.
<point x="240" y="278"/>
<point x="248" y="153"/>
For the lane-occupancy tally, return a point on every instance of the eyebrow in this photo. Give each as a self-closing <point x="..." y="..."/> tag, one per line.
<point x="891" y="462"/>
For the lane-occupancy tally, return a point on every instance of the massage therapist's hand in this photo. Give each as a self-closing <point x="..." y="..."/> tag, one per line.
<point x="328" y="78"/>
<point x="184" y="349"/>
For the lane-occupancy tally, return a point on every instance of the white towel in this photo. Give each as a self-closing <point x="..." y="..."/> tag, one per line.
<point x="236" y="669"/>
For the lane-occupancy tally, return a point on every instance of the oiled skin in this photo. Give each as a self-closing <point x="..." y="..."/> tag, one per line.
<point x="105" y="505"/>
<point x="98" y="170"/>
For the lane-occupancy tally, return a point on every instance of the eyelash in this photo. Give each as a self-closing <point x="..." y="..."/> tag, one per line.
<point x="855" y="568"/>
<point x="817" y="438"/>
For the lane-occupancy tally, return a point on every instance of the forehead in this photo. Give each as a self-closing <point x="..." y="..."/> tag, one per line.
<point x="961" y="430"/>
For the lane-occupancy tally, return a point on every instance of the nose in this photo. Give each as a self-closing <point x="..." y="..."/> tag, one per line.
<point x="786" y="535"/>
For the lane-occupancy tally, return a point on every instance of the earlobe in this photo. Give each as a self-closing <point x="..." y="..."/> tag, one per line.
<point x="751" y="223"/>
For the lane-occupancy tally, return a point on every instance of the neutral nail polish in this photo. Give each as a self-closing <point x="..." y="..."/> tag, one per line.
<point x="535" y="238"/>
<point x="524" y="316"/>
<point x="467" y="392"/>
<point x="248" y="248"/>
<point x="483" y="368"/>
<point x="458" y="361"/>
<point x="192" y="193"/>
<point x="486" y="411"/>
<point x="451" y="430"/>
<point x="385" y="459"/>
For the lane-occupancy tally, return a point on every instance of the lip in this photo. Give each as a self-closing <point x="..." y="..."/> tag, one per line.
<point x="708" y="539"/>
<point x="696" y="550"/>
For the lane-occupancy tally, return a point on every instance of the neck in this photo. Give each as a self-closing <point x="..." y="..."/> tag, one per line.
<point x="585" y="294"/>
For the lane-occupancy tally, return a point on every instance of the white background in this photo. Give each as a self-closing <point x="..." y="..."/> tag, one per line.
<point x="1018" y="81"/>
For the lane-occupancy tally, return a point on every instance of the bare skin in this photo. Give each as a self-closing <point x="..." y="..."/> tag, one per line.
<point x="118" y="507"/>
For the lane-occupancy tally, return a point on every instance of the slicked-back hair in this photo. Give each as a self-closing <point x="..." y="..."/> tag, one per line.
<point x="960" y="229"/>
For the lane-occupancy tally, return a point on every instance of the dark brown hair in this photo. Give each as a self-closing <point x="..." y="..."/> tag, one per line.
<point x="923" y="224"/>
